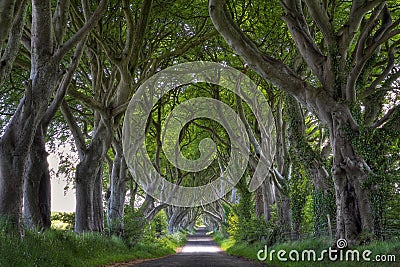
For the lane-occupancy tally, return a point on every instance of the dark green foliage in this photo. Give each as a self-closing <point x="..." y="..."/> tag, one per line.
<point x="392" y="218"/>
<point x="224" y="226"/>
<point x="243" y="225"/>
<point x="244" y="210"/>
<point x="159" y="224"/>
<point x="137" y="230"/>
<point x="381" y="151"/>
<point x="6" y="225"/>
<point x="299" y="185"/>
<point x="324" y="205"/>
<point x="134" y="224"/>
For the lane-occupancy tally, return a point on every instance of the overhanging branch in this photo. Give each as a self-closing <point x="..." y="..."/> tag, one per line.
<point x="269" y="68"/>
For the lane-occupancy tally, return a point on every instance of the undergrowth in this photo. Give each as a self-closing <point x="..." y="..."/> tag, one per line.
<point x="65" y="248"/>
<point x="246" y="250"/>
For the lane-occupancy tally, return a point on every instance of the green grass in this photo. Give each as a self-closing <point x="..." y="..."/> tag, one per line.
<point x="64" y="248"/>
<point x="249" y="251"/>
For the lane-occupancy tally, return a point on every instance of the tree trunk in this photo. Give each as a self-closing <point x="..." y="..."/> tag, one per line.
<point x="116" y="201"/>
<point x="37" y="189"/>
<point x="88" y="194"/>
<point x="312" y="161"/>
<point x="89" y="200"/>
<point x="11" y="181"/>
<point x="259" y="202"/>
<point x="178" y="213"/>
<point x="268" y="198"/>
<point x="37" y="176"/>
<point x="89" y="178"/>
<point x="98" y="211"/>
<point x="354" y="212"/>
<point x="283" y="168"/>
<point x="172" y="220"/>
<point x="283" y="208"/>
<point x="323" y="197"/>
<point x="17" y="140"/>
<point x="84" y="185"/>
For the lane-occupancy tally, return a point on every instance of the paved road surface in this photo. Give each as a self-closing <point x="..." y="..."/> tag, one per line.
<point x="199" y="251"/>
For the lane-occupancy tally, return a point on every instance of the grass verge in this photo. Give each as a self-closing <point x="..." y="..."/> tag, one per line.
<point x="65" y="248"/>
<point x="384" y="249"/>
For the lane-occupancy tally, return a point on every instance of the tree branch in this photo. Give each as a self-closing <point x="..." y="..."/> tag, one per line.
<point x="86" y="100"/>
<point x="390" y="64"/>
<point x="14" y="38"/>
<point x="366" y="31"/>
<point x="391" y="123"/>
<point x="212" y="131"/>
<point x="62" y="89"/>
<point x="299" y="29"/>
<point x="252" y="138"/>
<point x="79" y="35"/>
<point x="358" y="10"/>
<point x="269" y="68"/>
<point x="154" y="212"/>
<point x="140" y="32"/>
<point x="41" y="37"/>
<point x="6" y="18"/>
<point x="211" y="214"/>
<point x="320" y="16"/>
<point x="363" y="55"/>
<point x="278" y="179"/>
<point x="385" y="118"/>
<point x="76" y="131"/>
<point x="133" y="46"/>
<point x="192" y="42"/>
<point x="60" y="18"/>
<point x="130" y="29"/>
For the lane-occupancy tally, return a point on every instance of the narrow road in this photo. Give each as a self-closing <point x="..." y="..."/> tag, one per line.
<point x="199" y="251"/>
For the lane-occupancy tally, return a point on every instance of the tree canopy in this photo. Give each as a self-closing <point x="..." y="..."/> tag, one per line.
<point x="329" y="71"/>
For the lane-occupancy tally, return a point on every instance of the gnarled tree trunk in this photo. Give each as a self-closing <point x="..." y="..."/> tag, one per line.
<point x="98" y="210"/>
<point x="37" y="206"/>
<point x="354" y="210"/>
<point x="18" y="138"/>
<point x="116" y="201"/>
<point x="89" y="201"/>
<point x="89" y="174"/>
<point x="282" y="172"/>
<point x="312" y="161"/>
<point x="259" y="202"/>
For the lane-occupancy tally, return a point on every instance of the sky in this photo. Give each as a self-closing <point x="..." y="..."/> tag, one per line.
<point x="59" y="201"/>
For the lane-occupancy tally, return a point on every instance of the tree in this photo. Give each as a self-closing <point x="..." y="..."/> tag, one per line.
<point x="37" y="206"/>
<point x="312" y="158"/>
<point x="337" y="42"/>
<point x="118" y="59"/>
<point x="47" y="49"/>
